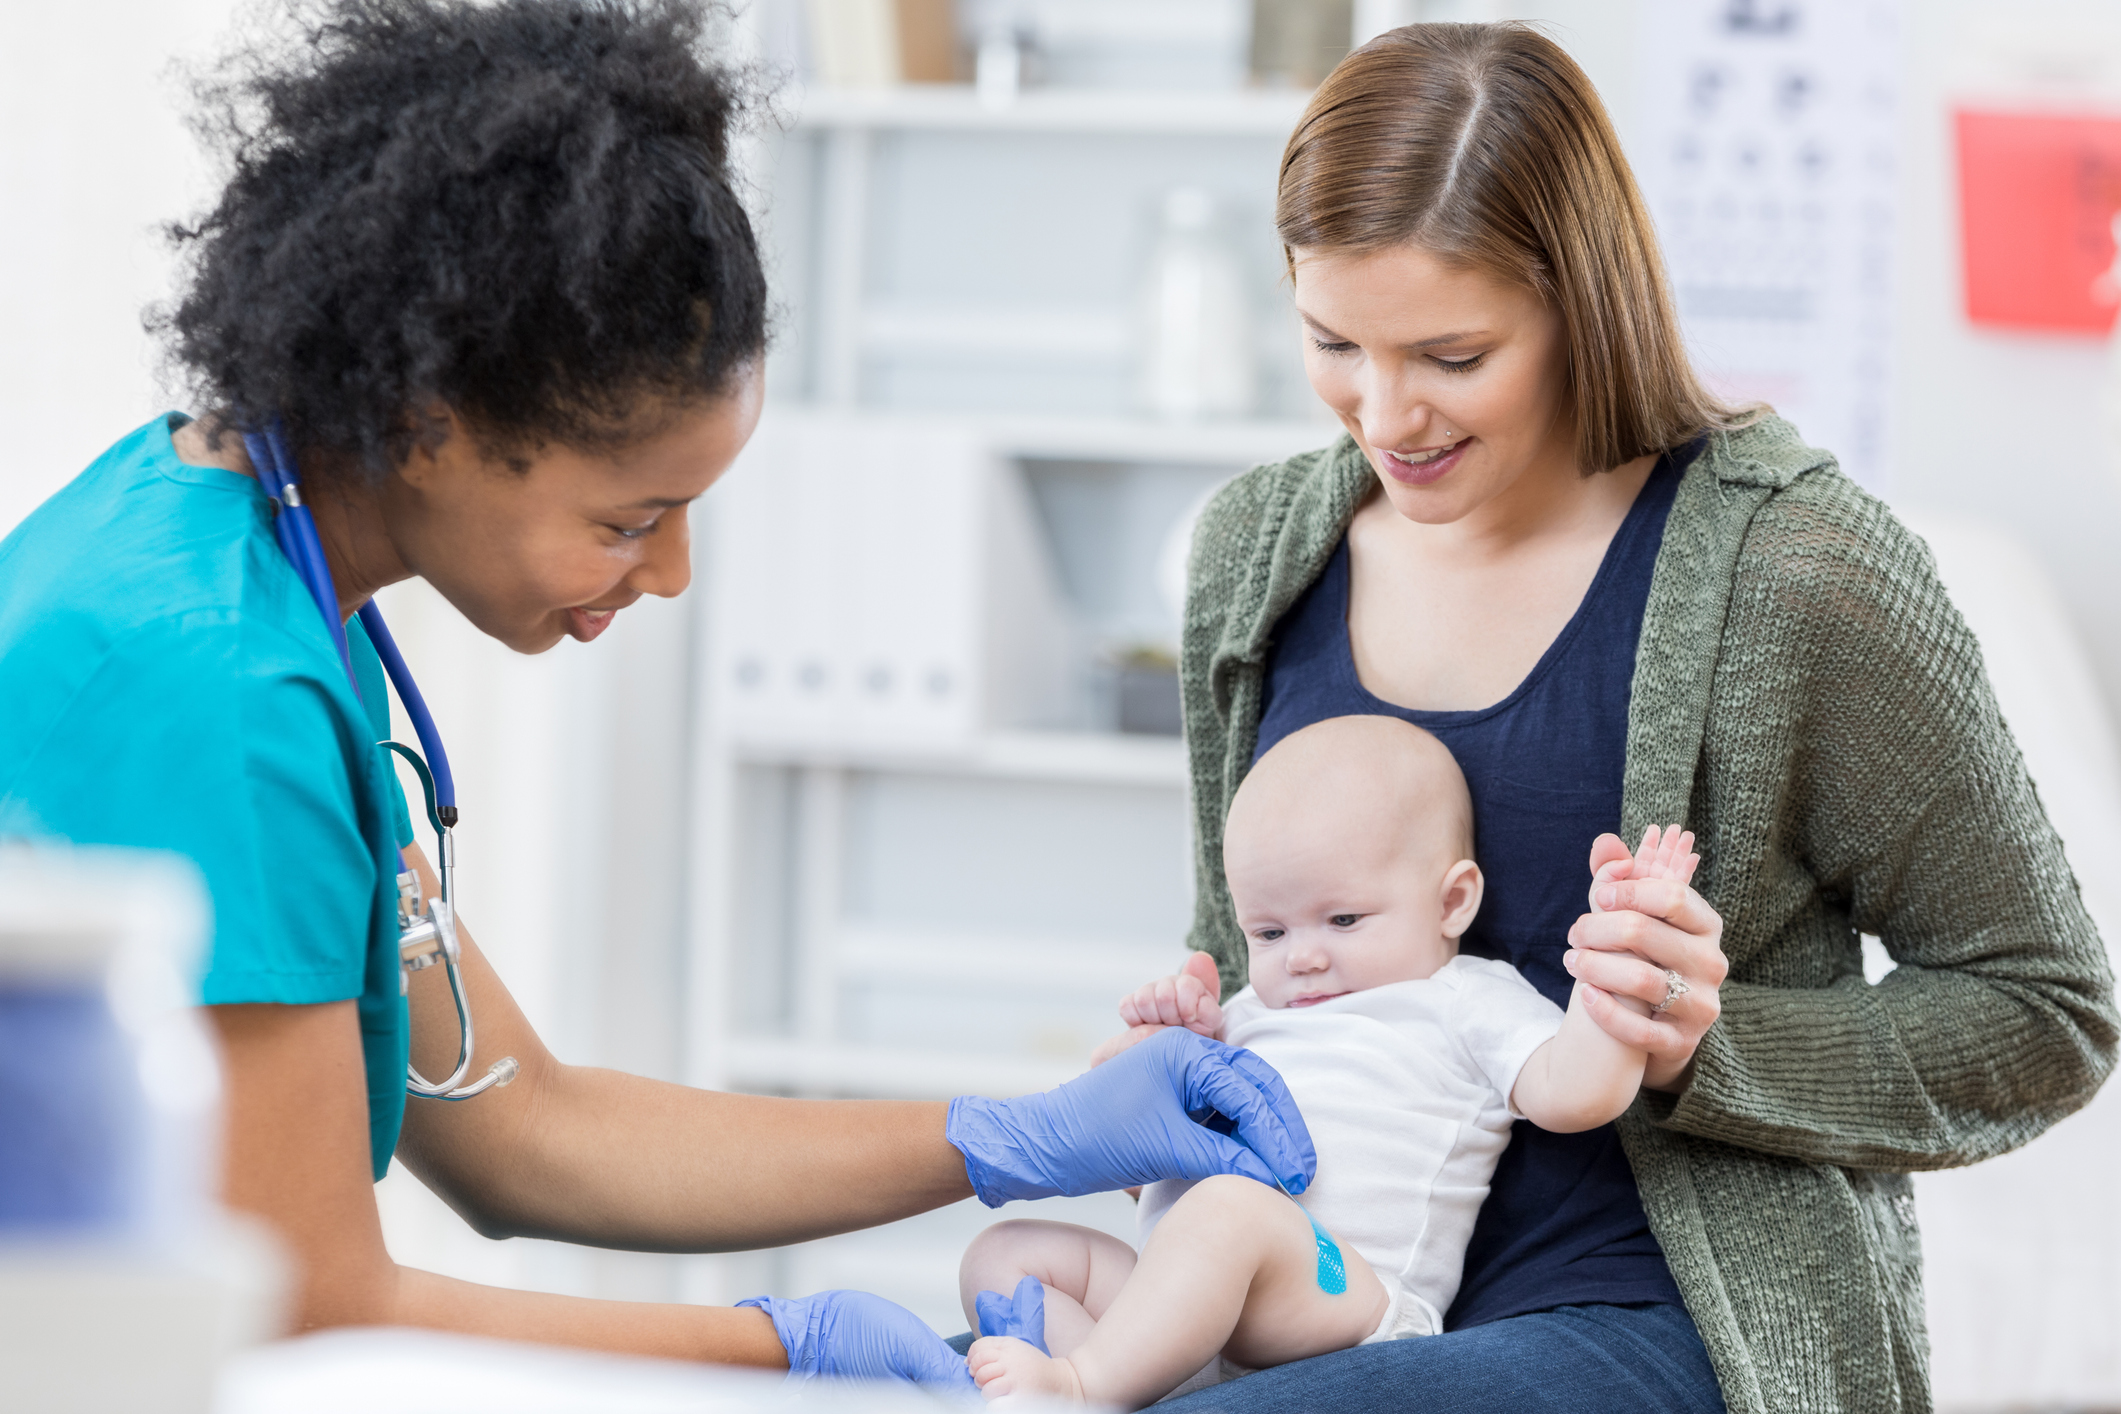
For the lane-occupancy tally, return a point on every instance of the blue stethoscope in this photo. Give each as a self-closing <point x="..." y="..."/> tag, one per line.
<point x="427" y="928"/>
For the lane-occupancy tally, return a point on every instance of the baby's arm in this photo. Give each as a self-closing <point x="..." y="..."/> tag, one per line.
<point x="1583" y="1078"/>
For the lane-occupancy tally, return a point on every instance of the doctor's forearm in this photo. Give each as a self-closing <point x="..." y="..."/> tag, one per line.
<point x="595" y="1156"/>
<point x="615" y="1160"/>
<point x="297" y="1157"/>
<point x="720" y="1334"/>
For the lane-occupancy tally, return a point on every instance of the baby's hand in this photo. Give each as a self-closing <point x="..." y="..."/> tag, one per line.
<point x="1664" y="854"/>
<point x="1190" y="998"/>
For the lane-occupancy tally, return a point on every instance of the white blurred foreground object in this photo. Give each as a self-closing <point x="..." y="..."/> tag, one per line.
<point x="421" y="1372"/>
<point x="1199" y="356"/>
<point x="2022" y="1255"/>
<point x="121" y="1285"/>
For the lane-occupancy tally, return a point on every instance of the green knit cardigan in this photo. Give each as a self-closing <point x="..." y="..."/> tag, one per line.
<point x="1808" y="701"/>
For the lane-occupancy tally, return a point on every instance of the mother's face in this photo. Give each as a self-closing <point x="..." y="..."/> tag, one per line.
<point x="531" y="556"/>
<point x="1452" y="381"/>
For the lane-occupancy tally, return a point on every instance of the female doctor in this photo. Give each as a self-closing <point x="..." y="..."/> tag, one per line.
<point x="484" y="271"/>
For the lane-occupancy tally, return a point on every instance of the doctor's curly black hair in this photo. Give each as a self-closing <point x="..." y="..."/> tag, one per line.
<point x="520" y="211"/>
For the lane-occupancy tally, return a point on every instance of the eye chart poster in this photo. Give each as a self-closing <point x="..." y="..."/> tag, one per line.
<point x="1766" y="150"/>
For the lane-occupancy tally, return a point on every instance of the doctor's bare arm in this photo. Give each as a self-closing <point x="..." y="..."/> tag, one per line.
<point x="567" y="1152"/>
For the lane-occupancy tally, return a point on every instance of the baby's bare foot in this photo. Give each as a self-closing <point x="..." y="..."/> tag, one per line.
<point x="1004" y="1367"/>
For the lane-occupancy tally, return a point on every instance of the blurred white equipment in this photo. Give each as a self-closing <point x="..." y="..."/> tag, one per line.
<point x="2020" y="1253"/>
<point x="121" y="1285"/>
<point x="1199" y="352"/>
<point x="421" y="1372"/>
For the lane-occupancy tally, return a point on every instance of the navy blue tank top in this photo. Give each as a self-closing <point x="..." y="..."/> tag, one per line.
<point x="1563" y="1224"/>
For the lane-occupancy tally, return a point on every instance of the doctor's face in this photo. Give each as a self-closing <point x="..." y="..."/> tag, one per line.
<point x="1451" y="381"/>
<point x="532" y="555"/>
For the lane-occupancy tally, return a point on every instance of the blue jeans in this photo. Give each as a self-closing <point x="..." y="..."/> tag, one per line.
<point x="1576" y="1360"/>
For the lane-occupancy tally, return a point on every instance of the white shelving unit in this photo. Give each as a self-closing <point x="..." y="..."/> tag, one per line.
<point x="1096" y="758"/>
<point x="957" y="108"/>
<point x="915" y="912"/>
<point x="831" y="177"/>
<point x="836" y="851"/>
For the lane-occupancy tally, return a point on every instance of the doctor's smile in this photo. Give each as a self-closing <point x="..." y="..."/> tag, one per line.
<point x="586" y="624"/>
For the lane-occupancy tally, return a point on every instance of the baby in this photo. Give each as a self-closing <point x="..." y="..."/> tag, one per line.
<point x="1348" y="854"/>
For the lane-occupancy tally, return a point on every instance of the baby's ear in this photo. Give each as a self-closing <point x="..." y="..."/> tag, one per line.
<point x="1463" y="886"/>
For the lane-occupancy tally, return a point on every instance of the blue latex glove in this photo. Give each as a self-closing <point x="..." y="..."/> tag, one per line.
<point x="1022" y="1315"/>
<point x="851" y="1335"/>
<point x="1176" y="1106"/>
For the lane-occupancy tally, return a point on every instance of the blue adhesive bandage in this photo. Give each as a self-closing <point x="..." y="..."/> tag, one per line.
<point x="1332" y="1270"/>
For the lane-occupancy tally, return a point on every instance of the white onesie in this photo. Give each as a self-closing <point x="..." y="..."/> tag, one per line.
<point x="1405" y="1089"/>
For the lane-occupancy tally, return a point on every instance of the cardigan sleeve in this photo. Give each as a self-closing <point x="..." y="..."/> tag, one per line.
<point x="1906" y="802"/>
<point x="1216" y="575"/>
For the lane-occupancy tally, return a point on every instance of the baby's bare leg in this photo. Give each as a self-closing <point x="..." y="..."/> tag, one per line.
<point x="1082" y="1270"/>
<point x="1233" y="1267"/>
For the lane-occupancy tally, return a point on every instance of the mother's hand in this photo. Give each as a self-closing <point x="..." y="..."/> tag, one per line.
<point x="1639" y="930"/>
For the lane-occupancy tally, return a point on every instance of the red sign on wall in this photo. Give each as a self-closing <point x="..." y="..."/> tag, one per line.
<point x="2037" y="197"/>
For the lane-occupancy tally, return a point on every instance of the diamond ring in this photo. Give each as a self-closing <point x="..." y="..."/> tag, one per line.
<point x="1675" y="987"/>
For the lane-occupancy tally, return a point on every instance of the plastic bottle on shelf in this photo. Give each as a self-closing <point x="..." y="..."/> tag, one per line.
<point x="1005" y="54"/>
<point x="1198" y="351"/>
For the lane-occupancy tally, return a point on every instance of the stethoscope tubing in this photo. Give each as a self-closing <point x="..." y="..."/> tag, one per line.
<point x="295" y="528"/>
<point x="423" y="722"/>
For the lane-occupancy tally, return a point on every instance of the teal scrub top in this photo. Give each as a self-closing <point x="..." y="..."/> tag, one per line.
<point x="167" y="683"/>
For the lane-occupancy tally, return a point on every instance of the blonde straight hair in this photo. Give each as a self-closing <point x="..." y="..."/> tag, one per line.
<point x="1487" y="146"/>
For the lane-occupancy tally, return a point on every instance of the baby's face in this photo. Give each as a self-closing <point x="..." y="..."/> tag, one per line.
<point x="1329" y="911"/>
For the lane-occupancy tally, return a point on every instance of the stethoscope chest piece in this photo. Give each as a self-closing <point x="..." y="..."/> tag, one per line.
<point x="426" y="935"/>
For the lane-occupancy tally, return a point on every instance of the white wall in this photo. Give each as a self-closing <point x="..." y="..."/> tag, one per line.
<point x="92" y="159"/>
<point x="2005" y="428"/>
<point x="1999" y="427"/>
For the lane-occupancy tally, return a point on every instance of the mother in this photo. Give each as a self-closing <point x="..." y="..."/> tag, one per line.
<point x="1619" y="601"/>
<point x="486" y="265"/>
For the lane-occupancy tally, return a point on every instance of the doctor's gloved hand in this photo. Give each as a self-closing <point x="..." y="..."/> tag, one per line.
<point x="1178" y="1105"/>
<point x="851" y="1335"/>
<point x="1021" y="1314"/>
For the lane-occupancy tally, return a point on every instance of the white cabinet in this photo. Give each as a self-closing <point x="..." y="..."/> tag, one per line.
<point x="924" y="863"/>
<point x="878" y="579"/>
<point x="922" y="873"/>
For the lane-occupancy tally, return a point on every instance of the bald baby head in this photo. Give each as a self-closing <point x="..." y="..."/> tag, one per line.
<point x="1348" y="852"/>
<point x="1348" y="772"/>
